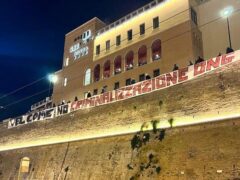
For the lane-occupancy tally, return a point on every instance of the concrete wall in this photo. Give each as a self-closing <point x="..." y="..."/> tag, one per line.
<point x="195" y="152"/>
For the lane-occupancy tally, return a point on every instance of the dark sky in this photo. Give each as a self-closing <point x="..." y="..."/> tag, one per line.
<point x="32" y="39"/>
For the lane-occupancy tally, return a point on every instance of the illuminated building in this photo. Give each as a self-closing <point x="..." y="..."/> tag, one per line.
<point x="141" y="45"/>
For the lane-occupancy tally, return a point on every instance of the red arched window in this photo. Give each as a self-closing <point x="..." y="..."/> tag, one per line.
<point x="118" y="65"/>
<point x="142" y="55"/>
<point x="129" y="60"/>
<point x="156" y="50"/>
<point x="106" y="69"/>
<point x="97" y="73"/>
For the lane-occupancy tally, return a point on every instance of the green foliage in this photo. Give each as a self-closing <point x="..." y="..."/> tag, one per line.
<point x="170" y="121"/>
<point x="161" y="135"/>
<point x="144" y="125"/>
<point x="158" y="169"/>
<point x="142" y="167"/>
<point x="154" y="124"/>
<point x="160" y="103"/>
<point x="136" y="142"/>
<point x="146" y="138"/>
<point x="129" y="167"/>
<point x="132" y="178"/>
<point x="150" y="157"/>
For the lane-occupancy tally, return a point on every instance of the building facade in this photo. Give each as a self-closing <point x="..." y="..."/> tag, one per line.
<point x="143" y="44"/>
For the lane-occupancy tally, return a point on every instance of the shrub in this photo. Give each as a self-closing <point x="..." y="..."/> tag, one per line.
<point x="158" y="169"/>
<point x="129" y="167"/>
<point x="146" y="137"/>
<point x="150" y="157"/>
<point x="170" y="121"/>
<point x="154" y="124"/>
<point x="161" y="135"/>
<point x="136" y="142"/>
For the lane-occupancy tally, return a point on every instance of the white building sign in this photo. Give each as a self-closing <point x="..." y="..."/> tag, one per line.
<point x="79" y="50"/>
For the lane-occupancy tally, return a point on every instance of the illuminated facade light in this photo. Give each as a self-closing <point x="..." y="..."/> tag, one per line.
<point x="226" y="12"/>
<point x="52" y="78"/>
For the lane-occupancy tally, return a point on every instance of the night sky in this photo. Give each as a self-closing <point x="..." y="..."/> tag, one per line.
<point x="32" y="40"/>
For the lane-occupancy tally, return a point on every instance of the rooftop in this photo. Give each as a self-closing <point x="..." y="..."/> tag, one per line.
<point x="131" y="15"/>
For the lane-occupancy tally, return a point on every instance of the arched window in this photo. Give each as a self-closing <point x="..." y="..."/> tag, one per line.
<point x="97" y="73"/>
<point x="129" y="60"/>
<point x="156" y="50"/>
<point x="118" y="65"/>
<point x="87" y="79"/>
<point x="142" y="55"/>
<point x="24" y="165"/>
<point x="106" y="69"/>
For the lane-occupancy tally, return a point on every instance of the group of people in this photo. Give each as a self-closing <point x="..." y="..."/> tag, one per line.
<point x="200" y="59"/>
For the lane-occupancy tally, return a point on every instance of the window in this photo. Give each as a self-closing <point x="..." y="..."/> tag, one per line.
<point x="156" y="72"/>
<point x="97" y="73"/>
<point x="66" y="62"/>
<point x="128" y="82"/>
<point x="129" y="60"/>
<point x="106" y="69"/>
<point x="87" y="79"/>
<point x="141" y="77"/>
<point x="142" y="55"/>
<point x="155" y="22"/>
<point x="194" y="16"/>
<point x="142" y="29"/>
<point x="118" y="65"/>
<point x="24" y="165"/>
<point x="129" y="35"/>
<point x="156" y="50"/>
<point x="107" y="45"/>
<point x="116" y="85"/>
<point x="97" y="49"/>
<point x="95" y="92"/>
<point x="65" y="82"/>
<point x="118" y="40"/>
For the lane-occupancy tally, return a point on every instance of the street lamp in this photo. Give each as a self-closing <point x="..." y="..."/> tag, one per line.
<point x="226" y="13"/>
<point x="52" y="78"/>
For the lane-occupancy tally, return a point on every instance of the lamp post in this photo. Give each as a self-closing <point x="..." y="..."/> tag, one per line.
<point x="226" y="13"/>
<point x="52" y="78"/>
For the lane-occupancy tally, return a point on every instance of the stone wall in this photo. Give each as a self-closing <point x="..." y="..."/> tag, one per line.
<point x="193" y="152"/>
<point x="98" y="143"/>
<point x="213" y="96"/>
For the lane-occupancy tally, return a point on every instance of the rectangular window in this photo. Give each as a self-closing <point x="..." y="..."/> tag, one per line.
<point x="107" y="45"/>
<point x="118" y="40"/>
<point x="156" y="72"/>
<point x="155" y="22"/>
<point x="141" y="77"/>
<point x="97" y="49"/>
<point x="65" y="82"/>
<point x="142" y="29"/>
<point x="194" y="16"/>
<point x="128" y="82"/>
<point x="95" y="92"/>
<point x="116" y="85"/>
<point x="129" y="33"/>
